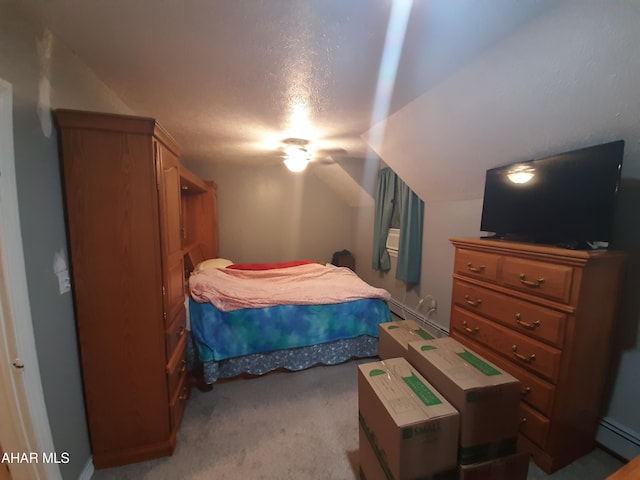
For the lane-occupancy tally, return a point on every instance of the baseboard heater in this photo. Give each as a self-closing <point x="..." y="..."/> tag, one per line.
<point x="618" y="438"/>
<point x="404" y="312"/>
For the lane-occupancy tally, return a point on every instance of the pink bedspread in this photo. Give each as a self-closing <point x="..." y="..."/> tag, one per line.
<point x="312" y="284"/>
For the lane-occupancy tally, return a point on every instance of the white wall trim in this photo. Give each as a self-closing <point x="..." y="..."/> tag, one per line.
<point x="32" y="412"/>
<point x="405" y="313"/>
<point x="618" y="438"/>
<point x="87" y="471"/>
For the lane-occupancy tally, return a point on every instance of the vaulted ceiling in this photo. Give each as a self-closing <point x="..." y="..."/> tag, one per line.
<point x="231" y="79"/>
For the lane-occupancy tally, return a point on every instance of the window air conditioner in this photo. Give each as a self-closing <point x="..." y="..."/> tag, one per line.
<point x="393" y="240"/>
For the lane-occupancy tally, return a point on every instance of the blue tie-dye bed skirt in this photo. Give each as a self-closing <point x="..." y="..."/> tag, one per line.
<point x="222" y="335"/>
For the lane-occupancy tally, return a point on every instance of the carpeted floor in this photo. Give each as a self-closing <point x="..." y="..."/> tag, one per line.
<point x="300" y="426"/>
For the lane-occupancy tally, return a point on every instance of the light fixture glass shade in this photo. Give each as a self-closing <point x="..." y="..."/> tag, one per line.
<point x="296" y="164"/>
<point x="296" y="158"/>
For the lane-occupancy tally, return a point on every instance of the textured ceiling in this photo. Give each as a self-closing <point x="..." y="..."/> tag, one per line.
<point x="230" y="79"/>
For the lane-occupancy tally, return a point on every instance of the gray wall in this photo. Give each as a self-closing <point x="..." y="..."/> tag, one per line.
<point x="70" y="85"/>
<point x="269" y="214"/>
<point x="566" y="80"/>
<point x="442" y="220"/>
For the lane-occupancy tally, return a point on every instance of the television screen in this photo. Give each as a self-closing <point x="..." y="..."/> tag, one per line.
<point x="566" y="199"/>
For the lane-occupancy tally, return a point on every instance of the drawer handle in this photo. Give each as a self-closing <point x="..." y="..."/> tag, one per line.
<point x="184" y="394"/>
<point x="531" y="326"/>
<point x="472" y="331"/>
<point x="523" y="420"/>
<point x="478" y="269"/>
<point x="181" y="331"/>
<point x="524" y="358"/>
<point x="183" y="366"/>
<point x="525" y="391"/>
<point x="473" y="303"/>
<point x="531" y="283"/>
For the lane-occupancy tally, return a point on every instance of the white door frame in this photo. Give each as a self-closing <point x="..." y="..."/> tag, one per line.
<point x="24" y="425"/>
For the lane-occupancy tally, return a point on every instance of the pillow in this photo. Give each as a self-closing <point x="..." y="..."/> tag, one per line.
<point x="212" y="263"/>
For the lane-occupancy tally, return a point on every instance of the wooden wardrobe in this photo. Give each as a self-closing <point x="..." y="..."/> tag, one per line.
<point x="125" y="196"/>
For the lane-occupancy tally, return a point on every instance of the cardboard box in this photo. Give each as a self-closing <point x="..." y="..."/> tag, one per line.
<point x="487" y="397"/>
<point x="370" y="467"/>
<point x="408" y="429"/>
<point x="511" y="467"/>
<point x="374" y="470"/>
<point x="393" y="337"/>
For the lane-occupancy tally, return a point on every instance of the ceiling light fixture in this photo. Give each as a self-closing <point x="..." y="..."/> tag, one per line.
<point x="296" y="156"/>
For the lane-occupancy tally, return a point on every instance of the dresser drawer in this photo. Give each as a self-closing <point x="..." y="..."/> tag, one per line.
<point x="176" y="331"/>
<point x="521" y="350"/>
<point x="477" y="264"/>
<point x="538" y="278"/>
<point x="528" y="318"/>
<point x="534" y="390"/>
<point x="178" y="404"/>
<point x="534" y="425"/>
<point x="177" y="368"/>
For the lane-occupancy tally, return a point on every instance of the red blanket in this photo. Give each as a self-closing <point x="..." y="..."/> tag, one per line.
<point x="269" y="266"/>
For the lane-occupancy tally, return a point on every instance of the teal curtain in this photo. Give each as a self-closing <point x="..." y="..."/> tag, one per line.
<point x="411" y="224"/>
<point x="392" y="190"/>
<point x="385" y="197"/>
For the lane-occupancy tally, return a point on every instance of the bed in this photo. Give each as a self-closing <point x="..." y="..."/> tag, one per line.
<point x="256" y="318"/>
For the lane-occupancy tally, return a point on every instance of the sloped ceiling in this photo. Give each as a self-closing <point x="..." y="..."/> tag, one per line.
<point x="230" y="79"/>
<point x="566" y="80"/>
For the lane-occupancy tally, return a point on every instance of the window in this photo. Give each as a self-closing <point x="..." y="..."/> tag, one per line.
<point x="394" y="199"/>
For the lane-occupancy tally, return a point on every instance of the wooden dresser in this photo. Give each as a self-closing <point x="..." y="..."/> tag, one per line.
<point x="123" y="189"/>
<point x="546" y="316"/>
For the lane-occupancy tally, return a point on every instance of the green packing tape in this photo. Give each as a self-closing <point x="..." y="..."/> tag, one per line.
<point x="425" y="348"/>
<point x="423" y="334"/>
<point x="479" y="364"/>
<point x="422" y="391"/>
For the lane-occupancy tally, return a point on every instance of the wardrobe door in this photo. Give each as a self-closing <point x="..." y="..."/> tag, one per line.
<point x="169" y="184"/>
<point x="169" y="181"/>
<point x="112" y="222"/>
<point x="168" y="169"/>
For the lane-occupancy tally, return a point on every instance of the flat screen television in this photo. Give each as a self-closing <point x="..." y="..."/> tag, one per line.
<point x="566" y="199"/>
